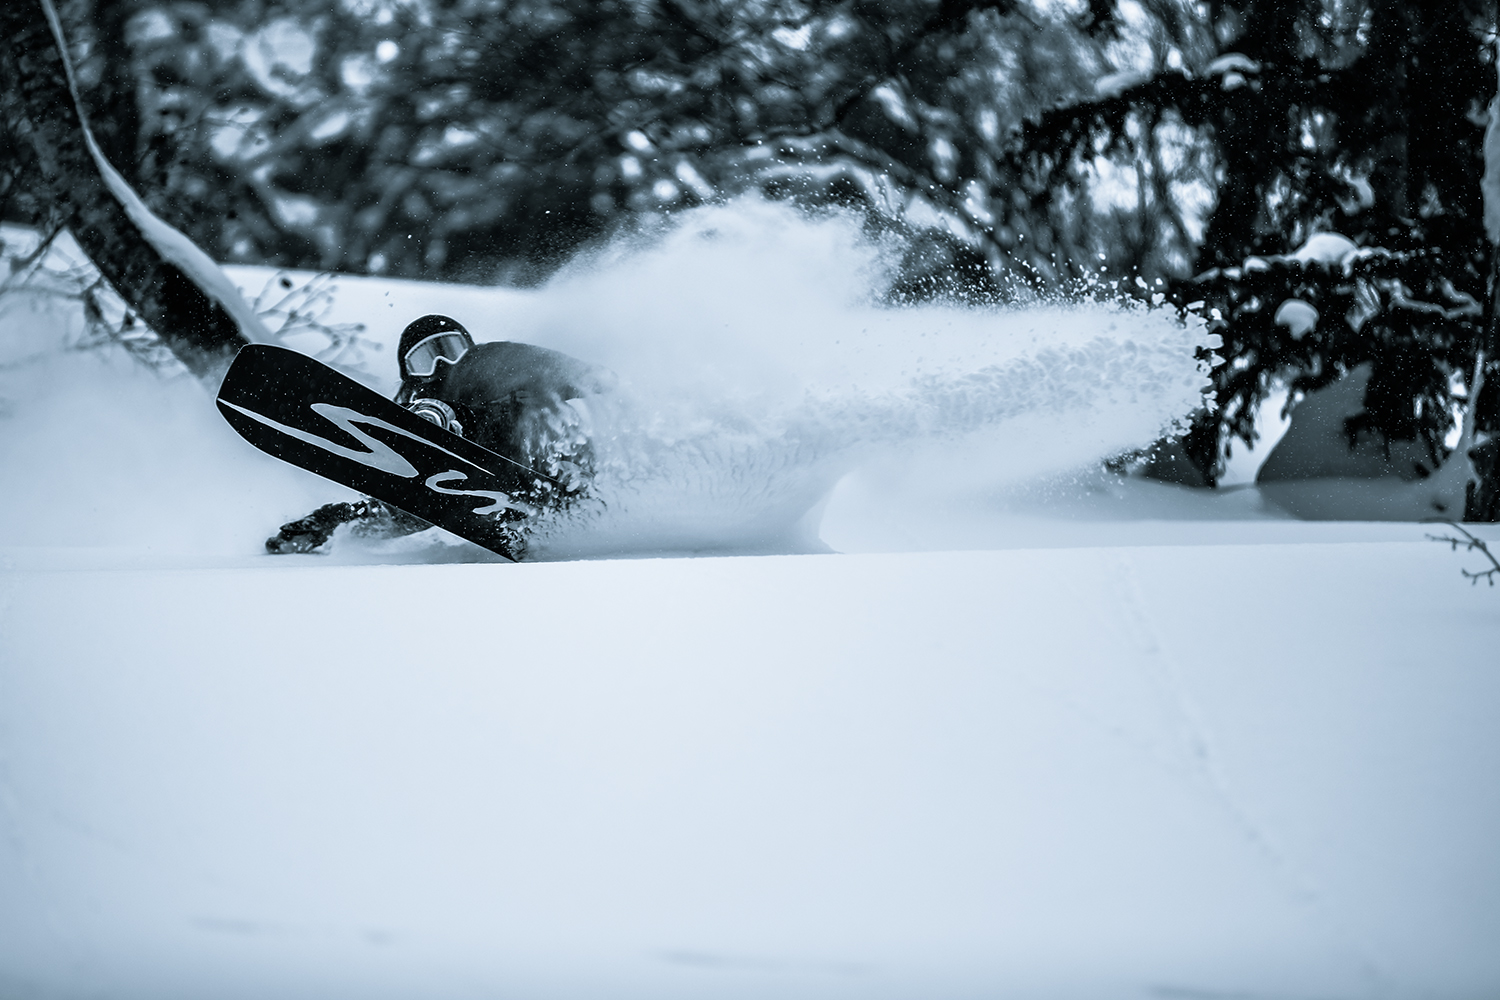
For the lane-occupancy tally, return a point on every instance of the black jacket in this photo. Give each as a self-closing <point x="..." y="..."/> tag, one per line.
<point x="494" y="384"/>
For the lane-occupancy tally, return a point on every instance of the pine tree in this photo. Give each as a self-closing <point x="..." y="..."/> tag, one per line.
<point x="1361" y="120"/>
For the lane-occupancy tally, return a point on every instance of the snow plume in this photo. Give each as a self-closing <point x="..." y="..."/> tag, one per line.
<point x="757" y="370"/>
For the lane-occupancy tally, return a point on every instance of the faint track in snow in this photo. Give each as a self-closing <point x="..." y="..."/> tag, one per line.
<point x="1204" y="770"/>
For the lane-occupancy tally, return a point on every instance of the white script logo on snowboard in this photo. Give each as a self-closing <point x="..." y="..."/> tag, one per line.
<point x="500" y="501"/>
<point x="378" y="454"/>
<point x="382" y="456"/>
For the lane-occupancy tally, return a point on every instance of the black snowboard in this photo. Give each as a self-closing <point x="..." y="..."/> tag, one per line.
<point x="305" y="413"/>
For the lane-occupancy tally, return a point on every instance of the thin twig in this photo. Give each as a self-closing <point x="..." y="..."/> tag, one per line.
<point x="1470" y="544"/>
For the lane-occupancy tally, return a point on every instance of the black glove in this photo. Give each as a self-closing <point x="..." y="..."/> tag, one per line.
<point x="314" y="530"/>
<point x="369" y="517"/>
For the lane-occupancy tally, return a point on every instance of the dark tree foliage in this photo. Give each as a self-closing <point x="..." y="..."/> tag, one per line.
<point x="1161" y="147"/>
<point x="488" y="139"/>
<point x="66" y="188"/>
<point x="1362" y="119"/>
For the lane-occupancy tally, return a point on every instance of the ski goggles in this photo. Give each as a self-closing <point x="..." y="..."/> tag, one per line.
<point x="422" y="359"/>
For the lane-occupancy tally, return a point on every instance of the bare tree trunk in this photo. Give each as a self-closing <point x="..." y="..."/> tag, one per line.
<point x="39" y="108"/>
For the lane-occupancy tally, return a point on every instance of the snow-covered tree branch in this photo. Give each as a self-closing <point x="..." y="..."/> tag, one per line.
<point x="172" y="285"/>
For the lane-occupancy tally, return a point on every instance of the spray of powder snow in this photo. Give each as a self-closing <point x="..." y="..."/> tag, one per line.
<point x="100" y="455"/>
<point x="756" y="372"/>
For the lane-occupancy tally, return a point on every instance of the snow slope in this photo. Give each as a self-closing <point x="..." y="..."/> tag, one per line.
<point x="1025" y="731"/>
<point x="1032" y="773"/>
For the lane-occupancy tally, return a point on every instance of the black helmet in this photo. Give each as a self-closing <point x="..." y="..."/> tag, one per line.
<point x="427" y="341"/>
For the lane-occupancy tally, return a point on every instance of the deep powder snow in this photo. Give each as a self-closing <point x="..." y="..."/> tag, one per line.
<point x="756" y="370"/>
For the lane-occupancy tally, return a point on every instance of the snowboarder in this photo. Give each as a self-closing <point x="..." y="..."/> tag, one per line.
<point x="512" y="398"/>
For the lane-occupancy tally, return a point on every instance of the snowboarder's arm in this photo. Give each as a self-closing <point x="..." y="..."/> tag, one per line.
<point x="368" y="516"/>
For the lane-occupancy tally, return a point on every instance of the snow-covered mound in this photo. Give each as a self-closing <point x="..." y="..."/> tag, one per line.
<point x="756" y="372"/>
<point x="1042" y="774"/>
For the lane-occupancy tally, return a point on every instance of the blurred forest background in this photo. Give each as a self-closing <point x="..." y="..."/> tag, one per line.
<point x="1307" y="173"/>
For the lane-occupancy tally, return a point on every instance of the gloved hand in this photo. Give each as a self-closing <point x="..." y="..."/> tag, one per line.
<point x="370" y="518"/>
<point x="308" y="533"/>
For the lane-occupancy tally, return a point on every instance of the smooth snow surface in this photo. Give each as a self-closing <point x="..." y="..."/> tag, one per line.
<point x="1036" y="732"/>
<point x="1028" y="773"/>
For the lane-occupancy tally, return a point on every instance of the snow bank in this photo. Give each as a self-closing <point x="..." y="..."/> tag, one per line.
<point x="100" y="453"/>
<point x="756" y="371"/>
<point x="1038" y="774"/>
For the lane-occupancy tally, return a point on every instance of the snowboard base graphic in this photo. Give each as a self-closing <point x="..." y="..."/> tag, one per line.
<point x="303" y="412"/>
